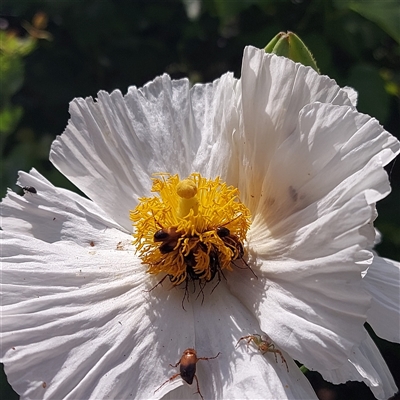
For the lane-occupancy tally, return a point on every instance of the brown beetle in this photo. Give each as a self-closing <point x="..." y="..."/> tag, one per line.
<point x="187" y="369"/>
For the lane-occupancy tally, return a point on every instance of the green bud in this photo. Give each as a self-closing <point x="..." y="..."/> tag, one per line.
<point x="291" y="46"/>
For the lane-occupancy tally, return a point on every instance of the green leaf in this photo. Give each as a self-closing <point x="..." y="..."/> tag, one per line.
<point x="227" y="9"/>
<point x="11" y="76"/>
<point x="384" y="13"/>
<point x="372" y="96"/>
<point x="9" y="118"/>
<point x="12" y="44"/>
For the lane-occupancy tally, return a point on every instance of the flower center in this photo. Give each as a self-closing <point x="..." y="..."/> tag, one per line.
<point x="192" y="230"/>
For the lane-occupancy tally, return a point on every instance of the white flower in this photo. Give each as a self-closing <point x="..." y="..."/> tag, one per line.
<point x="79" y="320"/>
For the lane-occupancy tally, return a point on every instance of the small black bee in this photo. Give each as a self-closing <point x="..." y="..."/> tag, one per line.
<point x="231" y="241"/>
<point x="169" y="239"/>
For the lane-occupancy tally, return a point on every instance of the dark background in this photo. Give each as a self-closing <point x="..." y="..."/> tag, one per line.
<point x="53" y="51"/>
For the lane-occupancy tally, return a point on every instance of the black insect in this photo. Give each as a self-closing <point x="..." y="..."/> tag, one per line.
<point x="168" y="237"/>
<point x="29" y="189"/>
<point x="231" y="241"/>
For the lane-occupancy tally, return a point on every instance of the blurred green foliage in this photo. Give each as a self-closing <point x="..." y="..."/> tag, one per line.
<point x="73" y="48"/>
<point x="12" y="51"/>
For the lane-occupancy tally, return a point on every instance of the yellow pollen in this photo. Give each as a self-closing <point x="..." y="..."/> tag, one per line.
<point x="192" y="229"/>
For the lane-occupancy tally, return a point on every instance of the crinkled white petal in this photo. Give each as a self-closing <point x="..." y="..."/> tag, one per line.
<point x="313" y="303"/>
<point x="365" y="364"/>
<point x="333" y="153"/>
<point x="79" y="321"/>
<point x="316" y="322"/>
<point x="274" y="91"/>
<point x="113" y="145"/>
<point x="81" y="324"/>
<point x="312" y="173"/>
<point x="52" y="214"/>
<point x="240" y="371"/>
<point x="75" y="316"/>
<point x="352" y="94"/>
<point x="383" y="283"/>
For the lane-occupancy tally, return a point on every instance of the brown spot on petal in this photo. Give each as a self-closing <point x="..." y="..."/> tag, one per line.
<point x="293" y="193"/>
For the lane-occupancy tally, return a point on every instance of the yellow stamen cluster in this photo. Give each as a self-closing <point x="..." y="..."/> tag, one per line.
<point x="176" y="232"/>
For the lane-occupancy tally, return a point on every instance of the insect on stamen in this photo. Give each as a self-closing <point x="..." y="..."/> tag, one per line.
<point x="192" y="231"/>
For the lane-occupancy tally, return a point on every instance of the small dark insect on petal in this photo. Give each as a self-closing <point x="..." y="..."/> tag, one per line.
<point x="29" y="189"/>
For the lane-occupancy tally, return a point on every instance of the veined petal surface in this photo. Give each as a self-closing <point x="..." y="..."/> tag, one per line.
<point x="312" y="192"/>
<point x="383" y="283"/>
<point x="113" y="145"/>
<point x="81" y="304"/>
<point x="78" y="303"/>
<point x="366" y="365"/>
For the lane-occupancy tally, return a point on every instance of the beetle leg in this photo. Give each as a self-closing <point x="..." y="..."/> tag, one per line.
<point x="174" y="366"/>
<point x="209" y="358"/>
<point x="168" y="380"/>
<point x="198" y="387"/>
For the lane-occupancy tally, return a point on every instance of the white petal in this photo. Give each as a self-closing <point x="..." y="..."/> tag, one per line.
<point x="352" y="93"/>
<point x="75" y="314"/>
<point x="80" y="320"/>
<point x="274" y="90"/>
<point x="112" y="146"/>
<point x="309" y="297"/>
<point x="316" y="327"/>
<point x="312" y="194"/>
<point x="366" y="365"/>
<point x="239" y="372"/>
<point x="55" y="214"/>
<point x="77" y="319"/>
<point x="383" y="283"/>
<point x="333" y="153"/>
